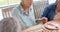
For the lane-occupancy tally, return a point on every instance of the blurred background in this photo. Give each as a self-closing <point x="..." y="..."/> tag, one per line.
<point x="13" y="3"/>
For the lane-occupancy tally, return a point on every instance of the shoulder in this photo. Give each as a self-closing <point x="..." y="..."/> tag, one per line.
<point x="15" y="10"/>
<point x="51" y="6"/>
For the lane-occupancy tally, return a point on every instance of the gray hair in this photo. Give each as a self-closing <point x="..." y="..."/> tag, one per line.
<point x="57" y="1"/>
<point x="9" y="25"/>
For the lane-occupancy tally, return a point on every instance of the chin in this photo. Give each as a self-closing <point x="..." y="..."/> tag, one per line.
<point x="29" y="5"/>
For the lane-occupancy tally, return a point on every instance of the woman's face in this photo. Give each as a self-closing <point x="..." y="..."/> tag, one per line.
<point x="58" y="5"/>
<point x="27" y="2"/>
<point x="57" y="16"/>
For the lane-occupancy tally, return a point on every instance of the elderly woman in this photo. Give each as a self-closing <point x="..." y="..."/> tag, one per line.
<point x="50" y="14"/>
<point x="9" y="25"/>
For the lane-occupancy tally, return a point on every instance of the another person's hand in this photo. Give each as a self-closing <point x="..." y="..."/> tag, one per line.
<point x="52" y="25"/>
<point x="44" y="19"/>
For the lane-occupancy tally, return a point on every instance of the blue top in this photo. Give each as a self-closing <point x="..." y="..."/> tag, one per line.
<point x="49" y="12"/>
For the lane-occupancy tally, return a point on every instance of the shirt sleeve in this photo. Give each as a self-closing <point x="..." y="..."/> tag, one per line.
<point x="15" y="16"/>
<point x="45" y="13"/>
<point x="14" y="12"/>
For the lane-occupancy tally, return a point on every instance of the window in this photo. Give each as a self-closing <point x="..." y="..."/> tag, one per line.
<point x="12" y="2"/>
<point x="52" y="1"/>
<point x="8" y="2"/>
<point x="5" y="3"/>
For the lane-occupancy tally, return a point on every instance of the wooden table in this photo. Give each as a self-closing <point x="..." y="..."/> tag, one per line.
<point x="38" y="28"/>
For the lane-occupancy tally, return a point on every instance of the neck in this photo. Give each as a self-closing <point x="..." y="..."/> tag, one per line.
<point x="26" y="8"/>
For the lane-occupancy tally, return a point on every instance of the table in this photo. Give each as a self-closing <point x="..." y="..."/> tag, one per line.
<point x="38" y="28"/>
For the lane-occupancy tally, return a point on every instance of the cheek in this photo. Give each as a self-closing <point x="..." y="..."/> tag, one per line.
<point x="30" y="2"/>
<point x="58" y="7"/>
